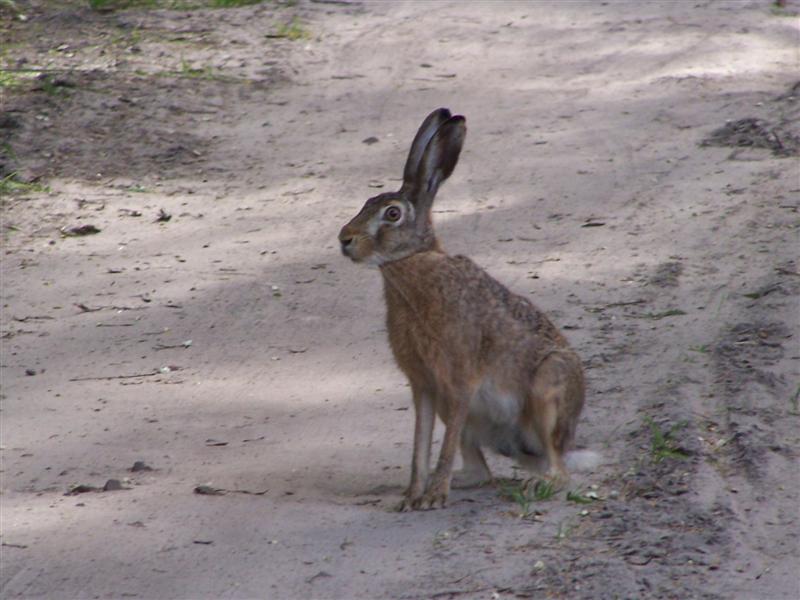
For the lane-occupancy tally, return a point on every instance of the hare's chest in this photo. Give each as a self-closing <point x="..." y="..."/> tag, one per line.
<point x="414" y="343"/>
<point x="407" y="336"/>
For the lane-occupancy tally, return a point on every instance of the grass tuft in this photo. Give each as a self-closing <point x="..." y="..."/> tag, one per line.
<point x="293" y="30"/>
<point x="525" y="493"/>
<point x="233" y="3"/>
<point x="582" y="498"/>
<point x="109" y="5"/>
<point x="11" y="185"/>
<point x="662" y="443"/>
<point x="9" y="80"/>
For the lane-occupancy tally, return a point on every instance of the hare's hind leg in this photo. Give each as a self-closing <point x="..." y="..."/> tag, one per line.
<point x="553" y="406"/>
<point x="475" y="471"/>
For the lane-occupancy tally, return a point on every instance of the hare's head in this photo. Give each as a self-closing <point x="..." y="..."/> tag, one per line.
<point x="398" y="224"/>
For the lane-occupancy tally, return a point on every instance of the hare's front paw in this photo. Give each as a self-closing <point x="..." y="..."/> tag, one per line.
<point x="434" y="497"/>
<point x="412" y="497"/>
<point x="436" y="494"/>
<point x="408" y="503"/>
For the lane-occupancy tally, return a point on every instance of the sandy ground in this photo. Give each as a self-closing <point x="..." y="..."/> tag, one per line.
<point x="228" y="344"/>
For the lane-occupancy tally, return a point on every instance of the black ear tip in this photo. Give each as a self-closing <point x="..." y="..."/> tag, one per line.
<point x="456" y="123"/>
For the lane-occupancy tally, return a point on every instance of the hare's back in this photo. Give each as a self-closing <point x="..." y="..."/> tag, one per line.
<point x="501" y="309"/>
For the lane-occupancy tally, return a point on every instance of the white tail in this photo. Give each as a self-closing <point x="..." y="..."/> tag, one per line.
<point x="582" y="460"/>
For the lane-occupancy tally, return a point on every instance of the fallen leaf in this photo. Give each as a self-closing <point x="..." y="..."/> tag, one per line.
<point x="207" y="490"/>
<point x="85" y="308"/>
<point x="760" y="293"/>
<point x="319" y="575"/>
<point x="82" y="489"/>
<point x="249" y="492"/>
<point x="79" y="230"/>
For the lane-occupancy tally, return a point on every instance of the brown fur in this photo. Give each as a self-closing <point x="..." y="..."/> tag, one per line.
<point x="486" y="361"/>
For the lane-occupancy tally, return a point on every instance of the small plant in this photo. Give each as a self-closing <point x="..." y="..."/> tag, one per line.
<point x="582" y="498"/>
<point x="525" y="493"/>
<point x="9" y="80"/>
<point x="517" y="492"/>
<point x="53" y="86"/>
<point x="10" y="7"/>
<point x="187" y="70"/>
<point x="293" y="31"/>
<point x="109" y="5"/>
<point x="663" y="444"/>
<point x="543" y="490"/>
<point x="233" y="3"/>
<point x="9" y="185"/>
<point x="702" y="348"/>
<point x="565" y="527"/>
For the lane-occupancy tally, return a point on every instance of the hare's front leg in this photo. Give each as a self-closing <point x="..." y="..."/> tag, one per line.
<point x="425" y="417"/>
<point x="439" y="485"/>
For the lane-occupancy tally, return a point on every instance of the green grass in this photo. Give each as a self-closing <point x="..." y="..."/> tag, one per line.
<point x="662" y="443"/>
<point x="199" y="73"/>
<point x="518" y="493"/>
<point x="45" y="81"/>
<point x="111" y="5"/>
<point x="525" y="493"/>
<point x="543" y="490"/>
<point x="565" y="528"/>
<point x="10" y="80"/>
<point x="233" y="3"/>
<point x="108" y="5"/>
<point x="47" y="84"/>
<point x="9" y="151"/>
<point x="128" y="38"/>
<point x="579" y="497"/>
<point x="11" y="7"/>
<point x="10" y="185"/>
<point x="293" y="30"/>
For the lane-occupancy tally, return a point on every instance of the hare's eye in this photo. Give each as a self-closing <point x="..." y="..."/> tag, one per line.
<point x="393" y="213"/>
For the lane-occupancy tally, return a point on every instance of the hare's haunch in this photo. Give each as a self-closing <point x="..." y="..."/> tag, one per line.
<point x="485" y="360"/>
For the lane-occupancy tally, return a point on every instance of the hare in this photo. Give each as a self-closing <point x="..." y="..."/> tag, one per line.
<point x="486" y="361"/>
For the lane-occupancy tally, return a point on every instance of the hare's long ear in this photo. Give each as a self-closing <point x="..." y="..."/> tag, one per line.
<point x="438" y="161"/>
<point x="426" y="131"/>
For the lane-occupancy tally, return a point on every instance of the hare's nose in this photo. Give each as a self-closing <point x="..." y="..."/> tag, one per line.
<point x="346" y="242"/>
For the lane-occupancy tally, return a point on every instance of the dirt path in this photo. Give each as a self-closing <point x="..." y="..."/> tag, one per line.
<point x="212" y="331"/>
